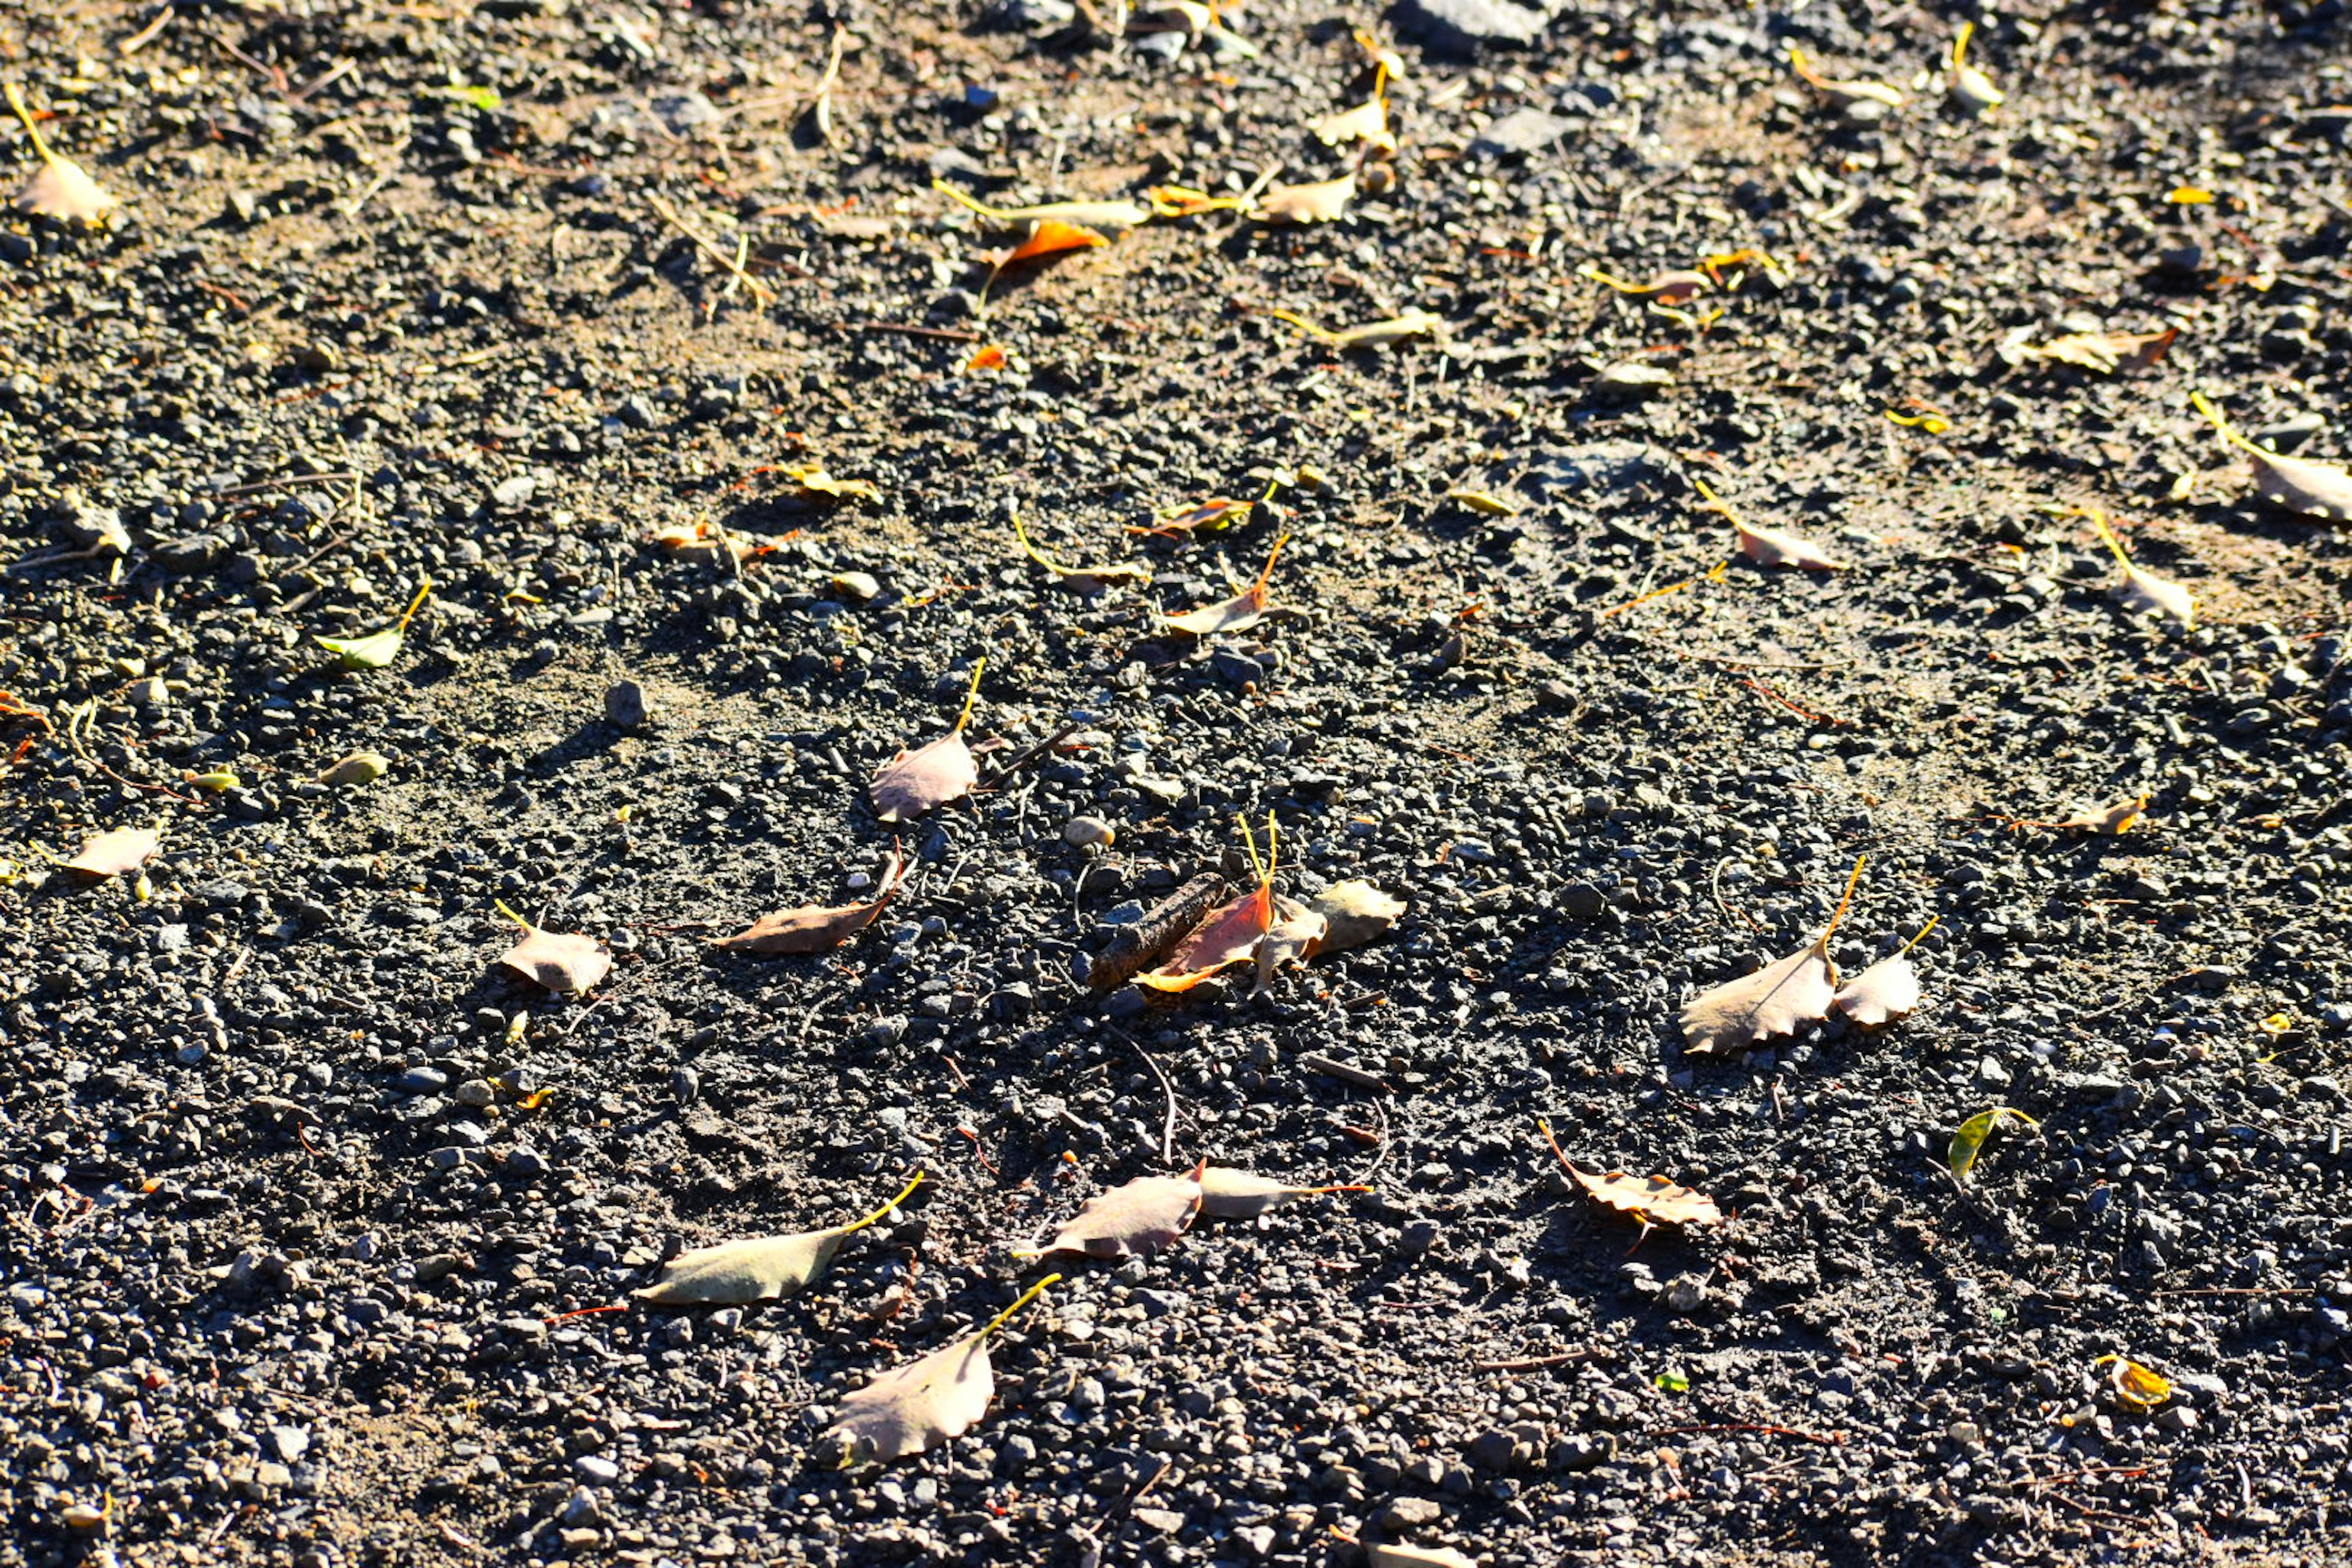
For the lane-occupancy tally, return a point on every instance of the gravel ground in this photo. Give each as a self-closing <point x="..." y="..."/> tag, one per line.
<point x="321" y="1226"/>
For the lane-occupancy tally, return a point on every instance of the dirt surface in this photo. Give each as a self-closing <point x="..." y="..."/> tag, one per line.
<point x="322" y="1225"/>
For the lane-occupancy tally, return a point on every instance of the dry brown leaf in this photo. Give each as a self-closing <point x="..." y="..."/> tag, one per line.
<point x="2313" y="490"/>
<point x="1776" y="1000"/>
<point x="1768" y="546"/>
<point x="1217" y="512"/>
<point x="1240" y="612"/>
<point x="1653" y="1200"/>
<point x="1367" y="122"/>
<point x="1397" y="1554"/>
<point x="914" y="1408"/>
<point x="2106" y="821"/>
<point x="759" y="1269"/>
<point x="1320" y="201"/>
<point x="2104" y="352"/>
<point x="2141" y="591"/>
<point x="912" y="783"/>
<point x="1354" y="913"/>
<point x="59" y="189"/>
<point x="564" y="961"/>
<point x="112" y="853"/>
<point x="1228" y="1193"/>
<point x="1881" y="994"/>
<point x="699" y="538"/>
<point x="1229" y="933"/>
<point x="1138" y="1217"/>
<point x="1414" y="323"/>
<point x="1050" y="237"/>
<point x="815" y="928"/>
<point x="1089" y="215"/>
<point x="1290" y="939"/>
<point x="1085" y="579"/>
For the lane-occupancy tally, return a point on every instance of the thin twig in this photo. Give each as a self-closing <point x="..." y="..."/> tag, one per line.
<point x="1530" y="1363"/>
<point x="759" y="291"/>
<point x="285" y="483"/>
<point x="944" y="334"/>
<point x="1168" y="1125"/>
<point x="1315" y="1062"/>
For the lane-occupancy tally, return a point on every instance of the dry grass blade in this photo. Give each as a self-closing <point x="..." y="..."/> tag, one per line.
<point x="1414" y="323"/>
<point x="759" y="1268"/>
<point x="1085" y="579"/>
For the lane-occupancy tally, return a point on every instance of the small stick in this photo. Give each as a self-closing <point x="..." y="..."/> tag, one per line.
<point x="759" y="291"/>
<point x="1530" y="1363"/>
<point x="1315" y="1062"/>
<point x="945" y="334"/>
<point x="1825" y="1439"/>
<point x="1031" y="754"/>
<point x="1167" y="1126"/>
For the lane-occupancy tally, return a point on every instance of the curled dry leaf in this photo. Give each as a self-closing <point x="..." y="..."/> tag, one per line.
<point x="912" y="783"/>
<point x="1841" y="94"/>
<point x="2143" y="592"/>
<point x="359" y="768"/>
<point x="813" y="481"/>
<point x="377" y="650"/>
<point x="1653" y="1200"/>
<point x="759" y="1269"/>
<point x="2134" y="1386"/>
<point x="700" y="537"/>
<point x="2103" y="352"/>
<point x="59" y="189"/>
<point x="1230" y="932"/>
<point x="114" y="853"/>
<point x="1085" y="579"/>
<point x="1216" y="513"/>
<point x="1969" y="1141"/>
<point x="1970" y="87"/>
<point x="1089" y="215"/>
<point x="1769" y="546"/>
<point x="1142" y="1216"/>
<point x="1414" y="323"/>
<point x="1289" y="940"/>
<point x="1354" y="912"/>
<point x="1776" y="1000"/>
<point x="1228" y="1193"/>
<point x="2106" y="821"/>
<point x="1367" y="122"/>
<point x="914" y="1408"/>
<point x="815" y="928"/>
<point x="2315" y="490"/>
<point x="1323" y="201"/>
<point x="564" y="961"/>
<point x="1240" y="612"/>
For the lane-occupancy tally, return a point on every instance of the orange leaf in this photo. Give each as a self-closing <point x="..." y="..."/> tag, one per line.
<point x="1051" y="237"/>
<point x="1229" y="935"/>
<point x="988" y="356"/>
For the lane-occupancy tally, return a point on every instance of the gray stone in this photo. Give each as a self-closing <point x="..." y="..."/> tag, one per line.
<point x="1459" y="27"/>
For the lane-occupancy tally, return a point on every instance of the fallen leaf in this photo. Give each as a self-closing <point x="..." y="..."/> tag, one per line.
<point x="1414" y="323"/>
<point x="1087" y="215"/>
<point x="1050" y="237"/>
<point x="564" y="961"/>
<point x="1183" y="201"/>
<point x="1189" y="17"/>
<point x="912" y="783"/>
<point x="1397" y="1554"/>
<point x="359" y="768"/>
<point x="1672" y="288"/>
<point x="377" y="650"/>
<point x="1776" y="1000"/>
<point x="1290" y="939"/>
<point x="2134" y="1386"/>
<point x="2315" y="490"/>
<point x="1483" y="502"/>
<point x="914" y="1408"/>
<point x="1241" y="612"/>
<point x="815" y="928"/>
<point x="2106" y="821"/>
<point x="1844" y="91"/>
<point x="1086" y="579"/>
<point x="1354" y="913"/>
<point x="1767" y="546"/>
<point x="1367" y="122"/>
<point x="1969" y="1141"/>
<point x="988" y="356"/>
<point x="1885" y="991"/>
<point x="1322" y="201"/>
<point x="1227" y="934"/>
<point x="112" y="854"/>
<point x="1136" y="1218"/>
<point x="1970" y="87"/>
<point x="2142" y="591"/>
<point x="1933" y="424"/>
<point x="2105" y="352"/>
<point x="1228" y="1193"/>
<point x="814" y="480"/>
<point x="59" y="189"/>
<point x="1215" y="515"/>
<point x="759" y="1269"/>
<point x="699" y="538"/>
<point x="1653" y="1200"/>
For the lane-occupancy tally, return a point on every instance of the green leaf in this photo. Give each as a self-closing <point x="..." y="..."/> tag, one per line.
<point x="1969" y="1141"/>
<point x="485" y="98"/>
<point x="371" y="652"/>
<point x="1673" y="1382"/>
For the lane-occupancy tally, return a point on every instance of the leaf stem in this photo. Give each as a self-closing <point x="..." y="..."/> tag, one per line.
<point x="1851" y="881"/>
<point x="1265" y="572"/>
<point x="1321" y="335"/>
<point x="2204" y="404"/>
<point x="1961" y="44"/>
<point x="1249" y="843"/>
<point x="971" y="697"/>
<point x="1933" y="921"/>
<point x="904" y="1195"/>
<point x="414" y="606"/>
<point x="1028" y="1296"/>
<point x="500" y="904"/>
<point x="1557" y="1155"/>
<point x="982" y="208"/>
<point x="2107" y="536"/>
<point x="40" y="143"/>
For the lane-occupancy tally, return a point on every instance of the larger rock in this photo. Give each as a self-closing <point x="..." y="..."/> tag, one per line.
<point x="1461" y="27"/>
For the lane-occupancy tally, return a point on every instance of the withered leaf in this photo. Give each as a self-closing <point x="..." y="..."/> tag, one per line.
<point x="912" y="783"/>
<point x="1767" y="546"/>
<point x="1050" y="237"/>
<point x="1290" y="938"/>
<point x="1230" y="934"/>
<point x="2104" y="352"/>
<point x="1414" y="323"/>
<point x="1217" y="512"/>
<point x="1776" y="1000"/>
<point x="1228" y="1193"/>
<point x="1087" y="215"/>
<point x="1323" y="201"/>
<point x="1366" y="121"/>
<point x="914" y="1408"/>
<point x="1398" y="1554"/>
<point x="815" y="928"/>
<point x="562" y="962"/>
<point x="2134" y="1386"/>
<point x="1885" y="991"/>
<point x="2143" y="592"/>
<point x="1653" y="1200"/>
<point x="114" y="853"/>
<point x="2313" y="490"/>
<point x="1354" y="913"/>
<point x="759" y="1269"/>
<point x="60" y="190"/>
<point x="1850" y="90"/>
<point x="1138" y="1217"/>
<point x="2107" y="821"/>
<point x="814" y="481"/>
<point x="1240" y="612"/>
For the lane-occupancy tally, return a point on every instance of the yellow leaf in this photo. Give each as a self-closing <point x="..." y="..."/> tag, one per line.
<point x="1969" y="1141"/>
<point x="2136" y="1386"/>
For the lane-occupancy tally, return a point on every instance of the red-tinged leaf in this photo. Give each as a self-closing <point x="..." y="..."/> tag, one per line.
<point x="1228" y="936"/>
<point x="1241" y="612"/>
<point x="815" y="928"/>
<point x="112" y="854"/>
<point x="1050" y="237"/>
<point x="914" y="1408"/>
<point x="1138" y="1217"/>
<point x="988" y="356"/>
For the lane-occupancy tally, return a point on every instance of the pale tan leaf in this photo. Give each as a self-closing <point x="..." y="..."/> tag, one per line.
<point x="1241" y="612"/>
<point x="1354" y="912"/>
<point x="759" y="1269"/>
<point x="359" y="768"/>
<point x="912" y="783"/>
<point x="1289" y="938"/>
<point x="1881" y="994"/>
<point x="1770" y="547"/>
<point x="112" y="854"/>
<point x="1320" y="201"/>
<point x="814" y="480"/>
<point x="1086" y="579"/>
<point x="1138" y="1217"/>
<point x="1397" y="1554"/>
<point x="1228" y="1193"/>
<point x="60" y="190"/>
<point x="1653" y="1199"/>
<point x="561" y="961"/>
<point x="813" y="928"/>
<point x="2143" y="592"/>
<point x="914" y="1408"/>
<point x="2298" y="484"/>
<point x="2107" y="821"/>
<point x="1366" y="121"/>
<point x="1778" y="999"/>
